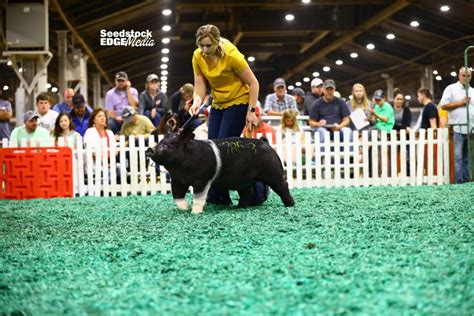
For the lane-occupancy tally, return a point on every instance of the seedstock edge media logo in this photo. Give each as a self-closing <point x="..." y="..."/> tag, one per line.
<point x="127" y="38"/>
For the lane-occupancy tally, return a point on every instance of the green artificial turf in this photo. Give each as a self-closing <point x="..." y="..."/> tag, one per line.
<point x="378" y="250"/>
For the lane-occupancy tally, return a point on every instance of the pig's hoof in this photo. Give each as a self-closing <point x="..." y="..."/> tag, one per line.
<point x="196" y="210"/>
<point x="182" y="204"/>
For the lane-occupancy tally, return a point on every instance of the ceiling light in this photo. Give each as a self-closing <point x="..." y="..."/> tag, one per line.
<point x="164" y="66"/>
<point x="354" y="55"/>
<point x="9" y="62"/>
<point x="339" y="62"/>
<point x="435" y="72"/>
<point x="165" y="40"/>
<point x="289" y="17"/>
<point x="166" y="28"/>
<point x="20" y="69"/>
<point x="326" y="68"/>
<point x="251" y="59"/>
<point x="164" y="72"/>
<point x="5" y="87"/>
<point x="298" y="84"/>
<point x="165" y="51"/>
<point x="444" y="8"/>
<point x="306" y="1"/>
<point x="454" y="74"/>
<point x="165" y="59"/>
<point x="408" y="97"/>
<point x="439" y="78"/>
<point x="166" y="12"/>
<point x="390" y="36"/>
<point x="315" y="74"/>
<point x="290" y="87"/>
<point x="48" y="86"/>
<point x="306" y="79"/>
<point x="414" y="24"/>
<point x="54" y="89"/>
<point x="370" y="46"/>
<point x="164" y="78"/>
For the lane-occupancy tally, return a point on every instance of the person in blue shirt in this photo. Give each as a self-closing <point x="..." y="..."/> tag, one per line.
<point x="80" y="114"/>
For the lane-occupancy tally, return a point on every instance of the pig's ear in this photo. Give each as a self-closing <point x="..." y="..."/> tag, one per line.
<point x="186" y="134"/>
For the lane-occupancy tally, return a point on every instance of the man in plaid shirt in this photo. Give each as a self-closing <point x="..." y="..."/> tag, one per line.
<point x="276" y="103"/>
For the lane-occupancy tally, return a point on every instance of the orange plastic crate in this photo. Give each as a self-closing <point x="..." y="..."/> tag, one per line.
<point x="36" y="172"/>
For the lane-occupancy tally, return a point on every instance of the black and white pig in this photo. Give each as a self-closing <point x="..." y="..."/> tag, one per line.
<point x="226" y="164"/>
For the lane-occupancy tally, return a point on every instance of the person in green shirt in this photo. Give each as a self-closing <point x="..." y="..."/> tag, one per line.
<point x="31" y="131"/>
<point x="382" y="116"/>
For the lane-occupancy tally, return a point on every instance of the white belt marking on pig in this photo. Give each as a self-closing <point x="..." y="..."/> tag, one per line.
<point x="217" y="153"/>
<point x="199" y="198"/>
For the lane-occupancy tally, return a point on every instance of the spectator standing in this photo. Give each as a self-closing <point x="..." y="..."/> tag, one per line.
<point x="153" y="103"/>
<point x="402" y="113"/>
<point x="117" y="98"/>
<point x="289" y="123"/>
<point x="31" y="131"/>
<point x="382" y="115"/>
<point x="429" y="117"/>
<point x="311" y="96"/>
<point x="359" y="100"/>
<point x="454" y="101"/>
<point x="279" y="101"/>
<point x="6" y="114"/>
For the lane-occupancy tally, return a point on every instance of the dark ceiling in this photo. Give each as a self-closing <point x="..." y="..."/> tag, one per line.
<point x="321" y="33"/>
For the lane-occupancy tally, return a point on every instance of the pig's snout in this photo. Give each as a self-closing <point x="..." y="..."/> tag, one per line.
<point x="149" y="152"/>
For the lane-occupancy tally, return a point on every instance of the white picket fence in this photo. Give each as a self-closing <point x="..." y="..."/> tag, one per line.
<point x="386" y="159"/>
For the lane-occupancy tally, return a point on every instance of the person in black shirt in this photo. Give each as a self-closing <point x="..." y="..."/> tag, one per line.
<point x="429" y="115"/>
<point x="329" y="113"/>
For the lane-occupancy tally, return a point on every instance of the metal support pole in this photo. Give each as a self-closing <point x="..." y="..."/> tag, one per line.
<point x="389" y="88"/>
<point x="62" y="60"/>
<point x="469" y="131"/>
<point x="96" y="89"/>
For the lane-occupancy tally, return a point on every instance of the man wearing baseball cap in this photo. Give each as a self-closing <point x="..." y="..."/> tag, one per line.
<point x="277" y="102"/>
<point x="135" y="124"/>
<point x="330" y="113"/>
<point x="80" y="114"/>
<point x="117" y="98"/>
<point x="383" y="115"/>
<point x="299" y="96"/>
<point x="31" y="131"/>
<point x="311" y="96"/>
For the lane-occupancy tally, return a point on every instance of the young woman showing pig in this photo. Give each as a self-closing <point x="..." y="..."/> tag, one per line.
<point x="234" y="89"/>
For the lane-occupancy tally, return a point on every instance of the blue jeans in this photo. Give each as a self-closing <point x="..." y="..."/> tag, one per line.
<point x="461" y="158"/>
<point x="156" y="120"/>
<point x="222" y="124"/>
<point x="228" y="122"/>
<point x="113" y="125"/>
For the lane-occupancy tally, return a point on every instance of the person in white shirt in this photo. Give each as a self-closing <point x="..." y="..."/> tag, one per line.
<point x="454" y="101"/>
<point x="47" y="116"/>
